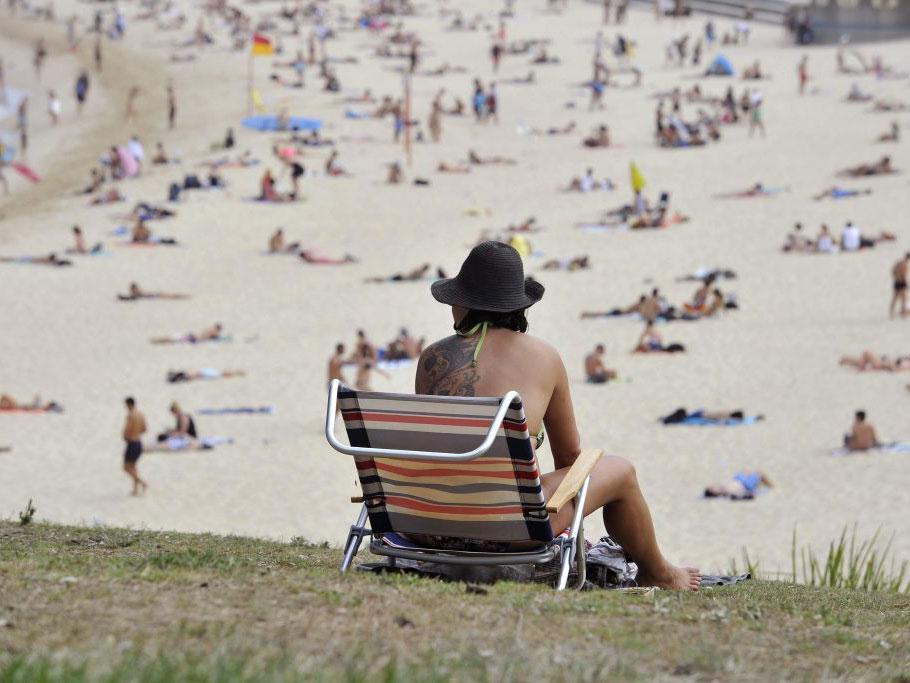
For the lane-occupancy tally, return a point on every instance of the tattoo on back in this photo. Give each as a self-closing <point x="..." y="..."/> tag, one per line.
<point x="446" y="368"/>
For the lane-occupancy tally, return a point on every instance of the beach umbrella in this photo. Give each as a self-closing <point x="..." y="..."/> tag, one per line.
<point x="638" y="180"/>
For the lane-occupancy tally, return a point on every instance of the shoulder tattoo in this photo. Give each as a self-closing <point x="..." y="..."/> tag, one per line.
<point x="446" y="368"/>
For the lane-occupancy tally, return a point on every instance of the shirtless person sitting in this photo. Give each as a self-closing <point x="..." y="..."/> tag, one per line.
<point x="277" y="245"/>
<point x="862" y="436"/>
<point x="650" y="341"/>
<point x="893" y="134"/>
<point x="595" y="370"/>
<point x="600" y="138"/>
<point x="79" y="244"/>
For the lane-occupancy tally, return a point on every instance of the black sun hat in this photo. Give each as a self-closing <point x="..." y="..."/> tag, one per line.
<point x="491" y="279"/>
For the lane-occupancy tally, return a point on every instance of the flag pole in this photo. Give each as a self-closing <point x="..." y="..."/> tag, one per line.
<point x="407" y="119"/>
<point x="249" y="82"/>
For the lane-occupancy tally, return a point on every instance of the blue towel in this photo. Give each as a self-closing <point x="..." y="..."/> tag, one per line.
<point x="270" y="123"/>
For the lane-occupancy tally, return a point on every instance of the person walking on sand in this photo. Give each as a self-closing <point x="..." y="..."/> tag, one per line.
<point x="40" y="55"/>
<point x="97" y="53"/>
<point x="336" y="362"/>
<point x="131" y="103"/>
<point x="132" y="433"/>
<point x="899" y="276"/>
<point x="82" y="84"/>
<point x="53" y="107"/>
<point x="756" y="109"/>
<point x="171" y="107"/>
<point x="802" y="72"/>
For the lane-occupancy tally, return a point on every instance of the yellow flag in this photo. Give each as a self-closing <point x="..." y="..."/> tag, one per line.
<point x="638" y="180"/>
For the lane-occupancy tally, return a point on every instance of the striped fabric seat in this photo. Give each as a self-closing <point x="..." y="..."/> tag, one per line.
<point x="494" y="497"/>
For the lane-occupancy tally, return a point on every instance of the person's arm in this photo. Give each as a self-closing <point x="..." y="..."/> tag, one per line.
<point x="559" y="420"/>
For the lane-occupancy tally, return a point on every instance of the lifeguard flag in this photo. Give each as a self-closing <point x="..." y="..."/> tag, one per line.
<point x="638" y="180"/>
<point x="262" y="46"/>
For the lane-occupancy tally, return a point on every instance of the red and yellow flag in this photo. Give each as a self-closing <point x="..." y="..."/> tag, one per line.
<point x="262" y="46"/>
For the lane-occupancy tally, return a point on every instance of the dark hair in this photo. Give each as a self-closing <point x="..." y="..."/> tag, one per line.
<point x="513" y="320"/>
<point x="130" y="401"/>
<point x="860" y="415"/>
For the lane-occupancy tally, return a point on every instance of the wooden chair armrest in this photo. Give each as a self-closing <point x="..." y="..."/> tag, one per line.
<point x="574" y="478"/>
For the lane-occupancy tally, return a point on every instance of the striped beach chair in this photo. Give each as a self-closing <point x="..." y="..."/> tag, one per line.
<point x="454" y="480"/>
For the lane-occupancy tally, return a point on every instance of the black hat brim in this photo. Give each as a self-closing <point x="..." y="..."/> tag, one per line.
<point x="449" y="291"/>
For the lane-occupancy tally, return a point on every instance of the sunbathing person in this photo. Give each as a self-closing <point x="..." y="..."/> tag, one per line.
<point x="446" y="167"/>
<point x="754" y="72"/>
<point x="757" y="190"/>
<point x="184" y="426"/>
<point x="893" y="134"/>
<point x="543" y="57"/>
<point x="109" y="197"/>
<point x="213" y="333"/>
<point x="868" y="361"/>
<point x="880" y="167"/>
<point x="146" y="212"/>
<point x="527" y="225"/>
<point x="491" y="355"/>
<point x="573" y="264"/>
<point x="521" y="80"/>
<point x="176" y="376"/>
<point x="160" y="157"/>
<point x="79" y="244"/>
<point x="554" y="130"/>
<point x="889" y="105"/>
<point x="50" y="260"/>
<point x="477" y="160"/>
<point x="862" y="435"/>
<point x="595" y="370"/>
<point x="136" y="293"/>
<point x="277" y="245"/>
<point x="681" y="416"/>
<point x="702" y="274"/>
<point x="650" y="341"/>
<point x="600" y="138"/>
<point x="419" y="273"/>
<point x="36" y="405"/>
<point x="743" y="486"/>
<point x="835" y="192"/>
<point x="317" y="258"/>
<point x="395" y="175"/>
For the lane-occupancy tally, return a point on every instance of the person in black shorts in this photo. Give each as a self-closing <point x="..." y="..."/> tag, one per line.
<point x="132" y="433"/>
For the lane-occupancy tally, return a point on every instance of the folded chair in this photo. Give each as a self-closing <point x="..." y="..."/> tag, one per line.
<point x="454" y="480"/>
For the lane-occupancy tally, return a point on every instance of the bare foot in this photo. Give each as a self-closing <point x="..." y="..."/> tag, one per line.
<point x="673" y="578"/>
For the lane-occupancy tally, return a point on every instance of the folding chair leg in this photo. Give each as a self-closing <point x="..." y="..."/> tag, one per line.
<point x="577" y="549"/>
<point x="355" y="536"/>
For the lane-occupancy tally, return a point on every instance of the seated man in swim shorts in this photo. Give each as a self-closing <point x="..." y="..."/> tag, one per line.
<point x="862" y="435"/>
<point x="650" y="341"/>
<point x="595" y="370"/>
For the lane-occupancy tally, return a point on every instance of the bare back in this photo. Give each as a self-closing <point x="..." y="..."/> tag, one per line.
<point x="508" y="361"/>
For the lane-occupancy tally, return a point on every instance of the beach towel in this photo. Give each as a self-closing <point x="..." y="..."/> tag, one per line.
<point x="269" y="122"/>
<point x="893" y="448"/>
<point x="357" y="115"/>
<point x="183" y="443"/>
<point x="240" y="410"/>
<point x="25" y="171"/>
<point x="26" y="409"/>
<point x="699" y="421"/>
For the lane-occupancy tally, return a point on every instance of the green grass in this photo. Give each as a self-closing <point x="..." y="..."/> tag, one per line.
<point x="99" y="604"/>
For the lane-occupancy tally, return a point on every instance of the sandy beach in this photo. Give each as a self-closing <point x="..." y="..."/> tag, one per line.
<point x="67" y="337"/>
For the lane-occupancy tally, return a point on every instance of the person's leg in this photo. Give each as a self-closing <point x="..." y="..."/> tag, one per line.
<point x="130" y="469"/>
<point x="614" y="488"/>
